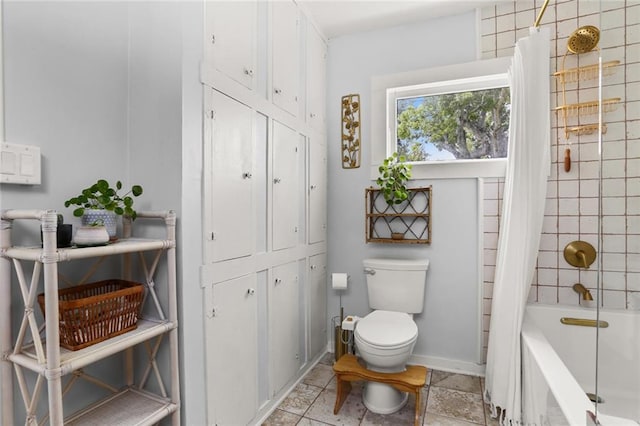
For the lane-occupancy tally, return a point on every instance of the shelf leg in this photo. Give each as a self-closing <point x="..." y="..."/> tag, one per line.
<point x="49" y="223"/>
<point x="170" y="222"/>
<point x="6" y="369"/>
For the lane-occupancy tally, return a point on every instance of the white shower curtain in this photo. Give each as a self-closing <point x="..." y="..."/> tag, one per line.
<point x="521" y="224"/>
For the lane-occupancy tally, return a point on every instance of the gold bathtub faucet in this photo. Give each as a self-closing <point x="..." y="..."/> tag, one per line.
<point x="583" y="291"/>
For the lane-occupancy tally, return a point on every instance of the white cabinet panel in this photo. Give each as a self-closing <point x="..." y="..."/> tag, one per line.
<point x="317" y="305"/>
<point x="316" y="79"/>
<point x="232" y="197"/>
<point x="285" y="187"/>
<point x="317" y="190"/>
<point x="265" y="202"/>
<point x="284" y="325"/>
<point x="231" y="47"/>
<point x="286" y="56"/>
<point x="232" y="351"/>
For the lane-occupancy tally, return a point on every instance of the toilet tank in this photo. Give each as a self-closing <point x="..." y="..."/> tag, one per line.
<point x="396" y="284"/>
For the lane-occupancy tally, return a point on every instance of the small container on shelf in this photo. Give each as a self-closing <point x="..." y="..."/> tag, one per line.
<point x="88" y="236"/>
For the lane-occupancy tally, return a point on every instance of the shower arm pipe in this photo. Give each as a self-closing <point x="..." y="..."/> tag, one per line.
<point x="541" y="13"/>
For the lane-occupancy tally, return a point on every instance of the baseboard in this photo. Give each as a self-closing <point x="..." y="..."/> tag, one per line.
<point x="270" y="406"/>
<point x="450" y="365"/>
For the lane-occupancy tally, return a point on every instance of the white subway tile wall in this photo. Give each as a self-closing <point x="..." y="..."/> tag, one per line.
<point x="572" y="206"/>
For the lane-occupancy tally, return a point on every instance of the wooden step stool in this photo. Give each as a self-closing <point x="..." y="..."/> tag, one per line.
<point x="348" y="369"/>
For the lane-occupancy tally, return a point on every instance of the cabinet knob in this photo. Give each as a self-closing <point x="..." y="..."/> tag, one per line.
<point x="251" y="291"/>
<point x="313" y="267"/>
<point x="312" y="115"/>
<point x="248" y="72"/>
<point x="247" y="175"/>
<point x="277" y="180"/>
<point x="313" y="187"/>
<point x="277" y="91"/>
<point x="278" y="281"/>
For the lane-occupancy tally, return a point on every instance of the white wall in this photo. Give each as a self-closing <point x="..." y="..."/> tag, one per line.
<point x="112" y="89"/>
<point x="154" y="104"/>
<point x="448" y="327"/>
<point x="165" y="150"/>
<point x="66" y="92"/>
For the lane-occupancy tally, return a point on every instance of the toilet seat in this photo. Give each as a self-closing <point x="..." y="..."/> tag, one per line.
<point x="386" y="329"/>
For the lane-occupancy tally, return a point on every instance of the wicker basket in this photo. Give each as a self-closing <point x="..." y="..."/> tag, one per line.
<point x="91" y="313"/>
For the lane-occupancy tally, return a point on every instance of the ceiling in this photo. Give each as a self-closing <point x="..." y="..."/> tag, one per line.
<point x="341" y="17"/>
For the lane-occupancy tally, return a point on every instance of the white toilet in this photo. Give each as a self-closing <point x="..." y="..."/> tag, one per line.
<point x="385" y="338"/>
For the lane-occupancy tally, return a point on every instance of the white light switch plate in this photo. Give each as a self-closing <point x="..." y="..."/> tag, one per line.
<point x="19" y="164"/>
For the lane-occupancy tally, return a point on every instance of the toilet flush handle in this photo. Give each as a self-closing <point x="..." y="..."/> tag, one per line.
<point x="369" y="271"/>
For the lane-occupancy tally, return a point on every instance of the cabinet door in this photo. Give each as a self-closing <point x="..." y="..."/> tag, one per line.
<point x="285" y="187"/>
<point x="231" y="45"/>
<point x="232" y="351"/>
<point x="316" y="79"/>
<point x="317" y="305"/>
<point x="284" y="326"/>
<point x="232" y="197"/>
<point x="286" y="56"/>
<point x="317" y="190"/>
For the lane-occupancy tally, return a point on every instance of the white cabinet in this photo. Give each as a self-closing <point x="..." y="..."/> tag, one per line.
<point x="232" y="351"/>
<point x="285" y="187"/>
<point x="316" y="79"/>
<point x="265" y="204"/>
<point x="317" y="305"/>
<point x="231" y="39"/>
<point x="137" y="403"/>
<point x="317" y="190"/>
<point x="231" y="228"/>
<point x="284" y="325"/>
<point x="286" y="55"/>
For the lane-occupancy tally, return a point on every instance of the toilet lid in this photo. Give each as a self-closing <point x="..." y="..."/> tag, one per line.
<point x="387" y="328"/>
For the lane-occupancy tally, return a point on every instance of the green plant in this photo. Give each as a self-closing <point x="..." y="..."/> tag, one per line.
<point x="394" y="174"/>
<point x="102" y="196"/>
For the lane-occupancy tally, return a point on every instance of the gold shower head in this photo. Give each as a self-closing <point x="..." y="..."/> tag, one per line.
<point x="584" y="39"/>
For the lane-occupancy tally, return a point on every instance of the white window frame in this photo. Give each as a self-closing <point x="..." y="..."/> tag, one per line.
<point x="450" y="79"/>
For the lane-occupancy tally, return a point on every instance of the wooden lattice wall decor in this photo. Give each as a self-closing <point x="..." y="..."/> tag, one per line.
<point x="351" y="131"/>
<point x="406" y="223"/>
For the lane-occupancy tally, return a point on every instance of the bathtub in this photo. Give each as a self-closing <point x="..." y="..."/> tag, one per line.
<point x="559" y="366"/>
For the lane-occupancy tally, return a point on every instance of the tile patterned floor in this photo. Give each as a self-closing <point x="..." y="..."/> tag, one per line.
<point x="448" y="399"/>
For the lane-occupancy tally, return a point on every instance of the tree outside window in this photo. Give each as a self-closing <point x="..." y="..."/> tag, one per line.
<point x="464" y="125"/>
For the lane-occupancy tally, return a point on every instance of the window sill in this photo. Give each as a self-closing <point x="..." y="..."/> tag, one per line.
<point x="455" y="169"/>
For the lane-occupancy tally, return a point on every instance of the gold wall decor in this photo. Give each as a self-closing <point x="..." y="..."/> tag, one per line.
<point x="351" y="131"/>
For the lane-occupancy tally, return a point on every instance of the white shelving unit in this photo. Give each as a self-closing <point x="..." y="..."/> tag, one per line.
<point x="131" y="405"/>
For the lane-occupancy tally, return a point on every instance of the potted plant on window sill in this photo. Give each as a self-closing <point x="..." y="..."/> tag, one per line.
<point x="394" y="175"/>
<point x="101" y="203"/>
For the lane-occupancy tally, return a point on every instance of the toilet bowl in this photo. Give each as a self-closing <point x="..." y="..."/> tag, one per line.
<point x="385" y="337"/>
<point x="385" y="340"/>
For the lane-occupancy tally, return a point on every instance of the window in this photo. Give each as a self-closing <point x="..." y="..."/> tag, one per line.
<point x="469" y="125"/>
<point x="450" y="122"/>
